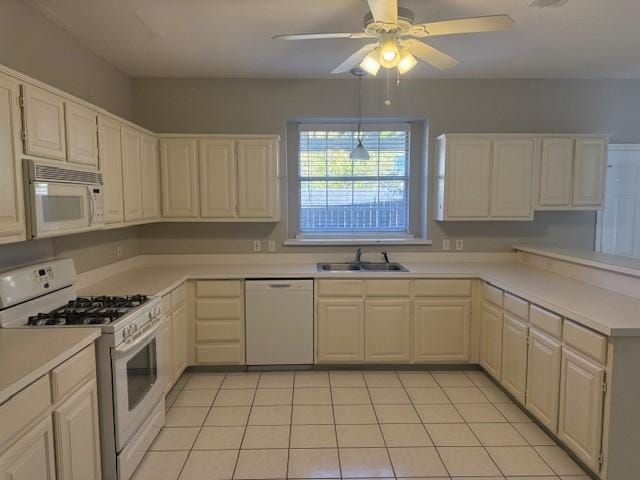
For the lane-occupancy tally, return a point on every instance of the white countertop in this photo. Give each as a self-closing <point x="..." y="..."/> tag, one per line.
<point x="605" y="311"/>
<point x="27" y="354"/>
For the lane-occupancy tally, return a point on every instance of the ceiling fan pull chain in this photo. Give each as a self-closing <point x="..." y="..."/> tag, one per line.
<point x="387" y="100"/>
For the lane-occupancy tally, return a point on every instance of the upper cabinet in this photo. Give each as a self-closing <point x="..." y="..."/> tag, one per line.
<point x="12" y="223"/>
<point x="484" y="178"/>
<point x="110" y="134"/>
<point x="150" y="178"/>
<point x="82" y="136"/>
<point x="44" y="132"/>
<point x="509" y="176"/>
<point x="225" y="179"/>
<point x="132" y="173"/>
<point x="179" y="174"/>
<point x="572" y="173"/>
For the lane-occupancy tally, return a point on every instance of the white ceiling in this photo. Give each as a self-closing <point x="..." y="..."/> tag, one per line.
<point x="232" y="38"/>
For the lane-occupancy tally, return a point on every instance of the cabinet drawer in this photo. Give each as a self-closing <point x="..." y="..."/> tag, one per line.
<point x="223" y="353"/>
<point x="23" y="408"/>
<point x="516" y="306"/>
<point x="388" y="288"/>
<point x="341" y="288"/>
<point x="73" y="372"/>
<point x="546" y="321"/>
<point x="219" y="309"/>
<point x="492" y="294"/>
<point x="442" y="288"/>
<point x="218" y="331"/>
<point x="178" y="296"/>
<point x="585" y="341"/>
<point x="219" y="288"/>
<point x="166" y="304"/>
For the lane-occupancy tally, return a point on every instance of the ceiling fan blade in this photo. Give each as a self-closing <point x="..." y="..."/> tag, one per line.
<point x="431" y="55"/>
<point x="354" y="60"/>
<point x="384" y="11"/>
<point x="492" y="23"/>
<point x="316" y="36"/>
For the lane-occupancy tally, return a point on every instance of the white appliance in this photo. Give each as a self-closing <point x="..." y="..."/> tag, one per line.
<point x="131" y="363"/>
<point x="279" y="322"/>
<point x="62" y="200"/>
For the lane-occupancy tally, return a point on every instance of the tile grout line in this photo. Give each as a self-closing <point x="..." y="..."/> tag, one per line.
<point x="335" y="425"/>
<point x="246" y="426"/>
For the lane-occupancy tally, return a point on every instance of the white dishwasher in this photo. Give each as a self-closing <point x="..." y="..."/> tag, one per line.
<point x="279" y="322"/>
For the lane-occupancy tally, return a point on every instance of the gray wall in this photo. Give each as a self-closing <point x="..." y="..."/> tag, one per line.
<point x="33" y="45"/>
<point x="264" y="106"/>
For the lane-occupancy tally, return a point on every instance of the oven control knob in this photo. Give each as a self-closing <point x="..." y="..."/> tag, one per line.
<point x="125" y="333"/>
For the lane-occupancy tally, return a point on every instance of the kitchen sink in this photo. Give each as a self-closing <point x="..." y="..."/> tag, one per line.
<point x="361" y="267"/>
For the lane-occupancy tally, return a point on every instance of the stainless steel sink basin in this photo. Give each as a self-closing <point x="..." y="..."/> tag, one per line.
<point x="361" y="267"/>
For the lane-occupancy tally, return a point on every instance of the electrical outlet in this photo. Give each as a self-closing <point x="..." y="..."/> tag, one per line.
<point x="272" y="246"/>
<point x="459" y="244"/>
<point x="446" y="244"/>
<point x="257" y="245"/>
<point x="118" y="251"/>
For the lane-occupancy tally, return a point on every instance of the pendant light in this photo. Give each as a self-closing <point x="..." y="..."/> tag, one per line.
<point x="359" y="153"/>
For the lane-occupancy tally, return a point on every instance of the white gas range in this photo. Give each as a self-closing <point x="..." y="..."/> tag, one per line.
<point x="129" y="356"/>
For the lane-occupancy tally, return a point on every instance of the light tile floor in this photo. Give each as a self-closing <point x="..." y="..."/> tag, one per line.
<point x="316" y="425"/>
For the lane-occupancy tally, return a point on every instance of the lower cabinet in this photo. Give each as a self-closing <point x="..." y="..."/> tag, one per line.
<point x="387" y="327"/>
<point x="514" y="357"/>
<point x="32" y="456"/>
<point x="581" y="407"/>
<point x="543" y="378"/>
<point x="441" y="330"/>
<point x="78" y="435"/>
<point x="178" y="341"/>
<point x="491" y="339"/>
<point x="340" y="331"/>
<point x="165" y="341"/>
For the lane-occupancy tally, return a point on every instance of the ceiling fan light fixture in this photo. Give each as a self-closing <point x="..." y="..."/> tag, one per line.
<point x="359" y="153"/>
<point x="389" y="53"/>
<point x="407" y="62"/>
<point x="370" y="63"/>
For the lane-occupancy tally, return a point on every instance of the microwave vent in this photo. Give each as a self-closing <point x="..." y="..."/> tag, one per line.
<point x="49" y="173"/>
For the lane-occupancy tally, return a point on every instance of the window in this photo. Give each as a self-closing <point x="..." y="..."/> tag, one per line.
<point x="340" y="197"/>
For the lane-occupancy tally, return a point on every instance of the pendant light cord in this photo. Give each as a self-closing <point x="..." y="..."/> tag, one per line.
<point x="359" y="109"/>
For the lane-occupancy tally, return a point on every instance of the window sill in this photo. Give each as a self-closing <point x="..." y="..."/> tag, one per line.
<point x="356" y="241"/>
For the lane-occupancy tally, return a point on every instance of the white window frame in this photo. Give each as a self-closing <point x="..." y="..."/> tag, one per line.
<point x="348" y="238"/>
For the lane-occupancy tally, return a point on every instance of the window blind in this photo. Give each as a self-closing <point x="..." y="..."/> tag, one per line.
<point x="340" y="195"/>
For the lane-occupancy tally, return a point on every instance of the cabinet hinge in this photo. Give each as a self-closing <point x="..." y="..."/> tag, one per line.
<point x="604" y="386"/>
<point x="600" y="459"/>
<point x="21" y="101"/>
<point x="23" y="135"/>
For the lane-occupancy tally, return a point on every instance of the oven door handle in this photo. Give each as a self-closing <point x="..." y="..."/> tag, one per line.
<point x="126" y="347"/>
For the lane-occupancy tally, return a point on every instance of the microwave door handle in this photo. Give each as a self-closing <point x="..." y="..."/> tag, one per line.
<point x="92" y="205"/>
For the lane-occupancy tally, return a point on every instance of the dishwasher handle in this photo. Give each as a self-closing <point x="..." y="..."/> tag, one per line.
<point x="279" y="286"/>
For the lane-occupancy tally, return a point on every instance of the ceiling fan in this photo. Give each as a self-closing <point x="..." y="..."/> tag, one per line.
<point x="396" y="34"/>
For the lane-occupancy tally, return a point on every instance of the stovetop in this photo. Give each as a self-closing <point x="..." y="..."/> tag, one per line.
<point x="101" y="310"/>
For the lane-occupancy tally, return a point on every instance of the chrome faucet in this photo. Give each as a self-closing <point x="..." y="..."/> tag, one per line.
<point x="385" y="255"/>
<point x="359" y="255"/>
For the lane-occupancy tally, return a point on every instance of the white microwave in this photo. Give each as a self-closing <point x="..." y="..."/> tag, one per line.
<point x="62" y="200"/>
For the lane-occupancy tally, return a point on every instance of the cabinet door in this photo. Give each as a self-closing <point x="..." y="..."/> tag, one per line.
<point x="179" y="341"/>
<point x="179" y="175"/>
<point x="340" y="331"/>
<point x="514" y="357"/>
<point x="32" y="456"/>
<point x="217" y="178"/>
<point x="12" y="226"/>
<point x="78" y="436"/>
<point x="543" y="378"/>
<point x="82" y="136"/>
<point x="111" y="163"/>
<point x="132" y="174"/>
<point x="491" y="340"/>
<point x="441" y="330"/>
<point x="44" y="123"/>
<point x="589" y="172"/>
<point x="556" y="172"/>
<point x="150" y="178"/>
<point x="581" y="407"/>
<point x="257" y="177"/>
<point x="512" y="179"/>
<point x="468" y="178"/>
<point x="387" y="330"/>
<point x="165" y="341"/>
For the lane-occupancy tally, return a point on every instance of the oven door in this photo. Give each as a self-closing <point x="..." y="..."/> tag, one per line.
<point x="62" y="208"/>
<point x="139" y="375"/>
